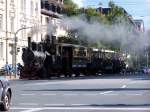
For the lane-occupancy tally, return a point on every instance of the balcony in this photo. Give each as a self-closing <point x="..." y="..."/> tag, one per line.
<point x="51" y="8"/>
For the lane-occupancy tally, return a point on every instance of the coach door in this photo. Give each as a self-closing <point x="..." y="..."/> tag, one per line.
<point x="67" y="57"/>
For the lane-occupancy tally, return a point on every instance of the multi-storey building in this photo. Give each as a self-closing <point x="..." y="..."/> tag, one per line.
<point x="51" y="13"/>
<point x="139" y="25"/>
<point x="15" y="15"/>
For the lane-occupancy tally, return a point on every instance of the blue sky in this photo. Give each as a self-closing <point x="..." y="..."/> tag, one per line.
<point x="139" y="9"/>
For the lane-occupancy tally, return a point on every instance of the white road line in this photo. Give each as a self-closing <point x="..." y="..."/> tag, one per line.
<point x="111" y="94"/>
<point x="33" y="110"/>
<point x="133" y="82"/>
<point x="90" y="94"/>
<point x="134" y="94"/>
<point x="28" y="104"/>
<point x="48" y="94"/>
<point x="27" y="94"/>
<point x="79" y="104"/>
<point x="106" y="92"/>
<point x="83" y="108"/>
<point x="70" y="94"/>
<point x="54" y="104"/>
<point x="124" y="86"/>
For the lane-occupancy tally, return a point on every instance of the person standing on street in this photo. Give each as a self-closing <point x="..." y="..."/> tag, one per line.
<point x="7" y="68"/>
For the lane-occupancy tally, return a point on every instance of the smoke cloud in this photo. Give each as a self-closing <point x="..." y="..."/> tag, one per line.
<point x="95" y="31"/>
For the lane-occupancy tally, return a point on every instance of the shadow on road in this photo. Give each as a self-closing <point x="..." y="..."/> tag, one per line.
<point x="106" y="105"/>
<point x="105" y="89"/>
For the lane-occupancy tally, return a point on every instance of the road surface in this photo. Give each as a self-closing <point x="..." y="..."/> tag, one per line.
<point x="96" y="94"/>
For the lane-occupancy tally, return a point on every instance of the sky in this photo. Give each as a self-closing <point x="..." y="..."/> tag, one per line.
<point x="139" y="9"/>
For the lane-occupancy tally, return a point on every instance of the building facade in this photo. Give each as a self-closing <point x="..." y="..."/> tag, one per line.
<point x="15" y="15"/>
<point x="139" y="25"/>
<point x="51" y="14"/>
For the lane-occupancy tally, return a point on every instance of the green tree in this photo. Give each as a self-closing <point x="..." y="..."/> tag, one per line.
<point x="70" y="8"/>
<point x="117" y="14"/>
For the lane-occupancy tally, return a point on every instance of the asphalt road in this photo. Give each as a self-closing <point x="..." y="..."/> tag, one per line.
<point x="94" y="94"/>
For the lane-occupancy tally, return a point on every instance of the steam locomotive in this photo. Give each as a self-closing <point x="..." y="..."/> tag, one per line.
<point x="49" y="58"/>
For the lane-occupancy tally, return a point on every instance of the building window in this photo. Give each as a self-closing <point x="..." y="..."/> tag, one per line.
<point x="1" y="51"/>
<point x="12" y="24"/>
<point x="23" y="31"/>
<point x="23" y="5"/>
<point x="53" y="8"/>
<point x="1" y="21"/>
<point x="12" y="1"/>
<point x="58" y="10"/>
<point x="47" y="5"/>
<point x="36" y="36"/>
<point x="47" y="20"/>
<point x="1" y="1"/>
<point x="31" y="8"/>
<point x="36" y="8"/>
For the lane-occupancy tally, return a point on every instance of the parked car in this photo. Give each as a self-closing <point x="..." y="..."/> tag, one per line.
<point x="5" y="94"/>
<point x="146" y="70"/>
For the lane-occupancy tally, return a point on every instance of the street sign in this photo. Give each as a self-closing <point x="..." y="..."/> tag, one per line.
<point x="11" y="52"/>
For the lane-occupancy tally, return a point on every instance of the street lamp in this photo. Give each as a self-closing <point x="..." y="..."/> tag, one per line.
<point x="15" y="48"/>
<point x="15" y="44"/>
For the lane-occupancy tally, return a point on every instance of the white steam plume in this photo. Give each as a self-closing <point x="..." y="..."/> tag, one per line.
<point x="96" y="31"/>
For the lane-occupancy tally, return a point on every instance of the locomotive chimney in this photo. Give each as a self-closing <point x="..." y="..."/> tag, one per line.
<point x="54" y="41"/>
<point x="29" y="43"/>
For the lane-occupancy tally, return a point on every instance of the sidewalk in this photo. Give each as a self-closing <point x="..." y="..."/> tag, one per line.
<point x="12" y="77"/>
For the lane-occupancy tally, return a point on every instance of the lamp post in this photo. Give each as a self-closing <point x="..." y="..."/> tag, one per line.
<point x="15" y="48"/>
<point x="6" y="20"/>
<point x="15" y="45"/>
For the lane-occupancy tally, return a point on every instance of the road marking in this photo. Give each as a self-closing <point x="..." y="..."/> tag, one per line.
<point x="54" y="104"/>
<point x="124" y="86"/>
<point x="79" y="104"/>
<point x="33" y="110"/>
<point x="70" y="94"/>
<point x="90" y="94"/>
<point x="83" y="108"/>
<point x="27" y="94"/>
<point x="134" y="94"/>
<point x="48" y="94"/>
<point x="28" y="104"/>
<point x="111" y="94"/>
<point x="133" y="82"/>
<point x="106" y="92"/>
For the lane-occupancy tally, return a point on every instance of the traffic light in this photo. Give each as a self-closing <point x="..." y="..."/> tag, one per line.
<point x="18" y="49"/>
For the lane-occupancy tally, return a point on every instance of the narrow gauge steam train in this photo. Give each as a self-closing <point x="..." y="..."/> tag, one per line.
<point x="47" y="59"/>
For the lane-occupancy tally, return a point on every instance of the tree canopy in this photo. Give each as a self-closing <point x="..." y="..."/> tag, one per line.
<point x="116" y="15"/>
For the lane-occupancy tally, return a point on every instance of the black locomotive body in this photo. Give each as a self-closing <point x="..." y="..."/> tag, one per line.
<point x="45" y="59"/>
